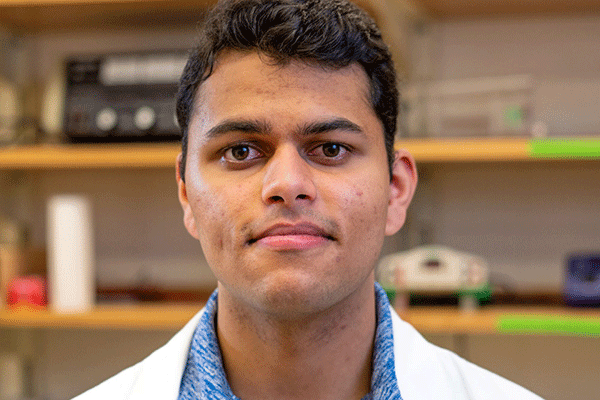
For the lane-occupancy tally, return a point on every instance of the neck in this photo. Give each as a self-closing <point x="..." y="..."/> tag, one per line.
<point x="327" y="355"/>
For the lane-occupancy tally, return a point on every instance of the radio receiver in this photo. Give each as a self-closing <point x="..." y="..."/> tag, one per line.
<point x="122" y="97"/>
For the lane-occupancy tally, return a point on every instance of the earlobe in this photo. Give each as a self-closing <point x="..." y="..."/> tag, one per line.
<point x="188" y="217"/>
<point x="402" y="188"/>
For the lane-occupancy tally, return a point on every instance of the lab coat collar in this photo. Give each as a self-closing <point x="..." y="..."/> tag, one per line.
<point x="159" y="376"/>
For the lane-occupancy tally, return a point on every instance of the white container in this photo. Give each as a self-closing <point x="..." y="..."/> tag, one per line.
<point x="71" y="263"/>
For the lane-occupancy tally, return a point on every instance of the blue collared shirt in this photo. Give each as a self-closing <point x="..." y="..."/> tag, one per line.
<point x="204" y="377"/>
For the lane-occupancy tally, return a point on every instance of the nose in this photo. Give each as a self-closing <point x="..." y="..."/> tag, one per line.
<point x="288" y="178"/>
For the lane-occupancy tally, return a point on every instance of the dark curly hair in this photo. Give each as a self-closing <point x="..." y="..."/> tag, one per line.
<point x="331" y="33"/>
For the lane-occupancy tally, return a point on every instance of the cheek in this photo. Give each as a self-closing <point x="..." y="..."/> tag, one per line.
<point x="210" y="216"/>
<point x="220" y="211"/>
<point x="365" y="207"/>
<point x="369" y="233"/>
<point x="371" y="214"/>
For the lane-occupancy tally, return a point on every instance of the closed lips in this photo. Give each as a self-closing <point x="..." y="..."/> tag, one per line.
<point x="292" y="230"/>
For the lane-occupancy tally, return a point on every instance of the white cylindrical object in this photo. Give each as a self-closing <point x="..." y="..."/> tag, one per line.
<point x="71" y="264"/>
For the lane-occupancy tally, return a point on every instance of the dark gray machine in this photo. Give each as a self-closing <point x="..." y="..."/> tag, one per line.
<point x="123" y="97"/>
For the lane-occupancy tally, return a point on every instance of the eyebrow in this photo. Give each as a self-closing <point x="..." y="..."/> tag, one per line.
<point x="235" y="125"/>
<point x="336" y="124"/>
<point x="263" y="127"/>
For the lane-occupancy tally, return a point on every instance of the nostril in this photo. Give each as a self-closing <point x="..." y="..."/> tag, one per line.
<point x="302" y="197"/>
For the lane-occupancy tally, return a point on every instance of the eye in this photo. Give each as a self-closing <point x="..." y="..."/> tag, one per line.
<point x="241" y="153"/>
<point x="329" y="153"/>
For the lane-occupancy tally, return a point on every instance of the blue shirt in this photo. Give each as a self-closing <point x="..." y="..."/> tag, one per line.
<point x="204" y="377"/>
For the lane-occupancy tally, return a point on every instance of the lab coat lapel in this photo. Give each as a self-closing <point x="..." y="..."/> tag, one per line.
<point x="159" y="376"/>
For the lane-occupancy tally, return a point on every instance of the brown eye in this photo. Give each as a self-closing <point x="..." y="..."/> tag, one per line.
<point x="240" y="153"/>
<point x="331" y="149"/>
<point x="330" y="153"/>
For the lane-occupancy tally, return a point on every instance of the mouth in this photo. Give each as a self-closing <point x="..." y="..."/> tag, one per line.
<point x="283" y="237"/>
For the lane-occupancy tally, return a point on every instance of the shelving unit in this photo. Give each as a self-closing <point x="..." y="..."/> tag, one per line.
<point x="70" y="15"/>
<point x="501" y="155"/>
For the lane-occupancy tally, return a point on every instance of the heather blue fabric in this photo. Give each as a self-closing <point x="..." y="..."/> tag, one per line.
<point x="204" y="377"/>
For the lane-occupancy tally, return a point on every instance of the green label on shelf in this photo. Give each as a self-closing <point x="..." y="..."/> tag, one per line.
<point x="552" y="325"/>
<point x="565" y="148"/>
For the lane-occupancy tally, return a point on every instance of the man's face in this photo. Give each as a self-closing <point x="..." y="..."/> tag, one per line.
<point x="287" y="185"/>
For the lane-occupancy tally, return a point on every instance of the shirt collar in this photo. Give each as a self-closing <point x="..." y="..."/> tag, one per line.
<point x="204" y="377"/>
<point x="384" y="385"/>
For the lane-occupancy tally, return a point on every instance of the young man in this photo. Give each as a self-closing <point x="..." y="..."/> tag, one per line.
<point x="289" y="180"/>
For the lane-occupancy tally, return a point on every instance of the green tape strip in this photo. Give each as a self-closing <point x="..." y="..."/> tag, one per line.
<point x="565" y="148"/>
<point x="551" y="325"/>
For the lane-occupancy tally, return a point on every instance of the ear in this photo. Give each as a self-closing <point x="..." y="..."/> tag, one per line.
<point x="402" y="188"/>
<point x="188" y="216"/>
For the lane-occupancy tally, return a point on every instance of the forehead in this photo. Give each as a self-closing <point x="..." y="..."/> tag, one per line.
<point x="257" y="77"/>
<point x="234" y="60"/>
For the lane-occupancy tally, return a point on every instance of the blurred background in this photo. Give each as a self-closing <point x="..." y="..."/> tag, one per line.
<point x="499" y="259"/>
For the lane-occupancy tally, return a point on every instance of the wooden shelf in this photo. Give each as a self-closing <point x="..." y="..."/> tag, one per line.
<point x="152" y="155"/>
<point x="428" y="320"/>
<point x="460" y="9"/>
<point x="502" y="149"/>
<point x="448" y="150"/>
<point x="147" y="155"/>
<point x="159" y="316"/>
<point x="53" y="15"/>
<point x="70" y="15"/>
<point x="557" y="320"/>
<point x="62" y="15"/>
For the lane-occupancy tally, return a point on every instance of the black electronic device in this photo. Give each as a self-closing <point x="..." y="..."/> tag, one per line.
<point x="123" y="97"/>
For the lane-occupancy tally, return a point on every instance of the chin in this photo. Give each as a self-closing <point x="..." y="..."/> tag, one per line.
<point x="293" y="296"/>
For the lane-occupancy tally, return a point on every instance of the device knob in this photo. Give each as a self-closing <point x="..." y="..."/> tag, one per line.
<point x="175" y="120"/>
<point x="106" y="119"/>
<point x="144" y="118"/>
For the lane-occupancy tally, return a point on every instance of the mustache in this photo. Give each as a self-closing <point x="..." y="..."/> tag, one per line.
<point x="252" y="230"/>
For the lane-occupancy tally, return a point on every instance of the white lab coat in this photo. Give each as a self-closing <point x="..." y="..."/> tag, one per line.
<point x="424" y="372"/>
